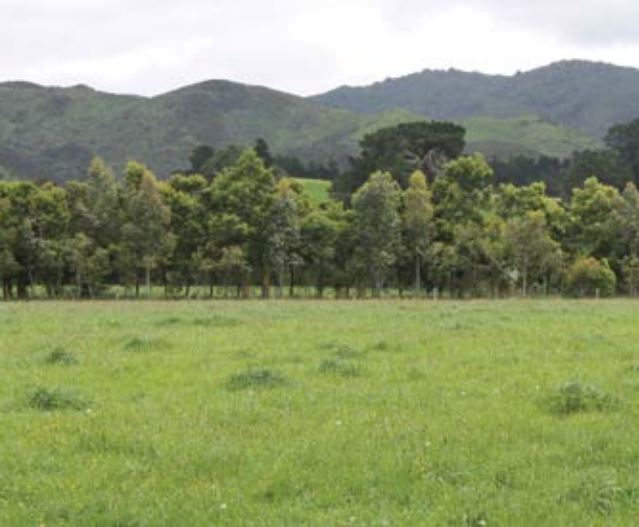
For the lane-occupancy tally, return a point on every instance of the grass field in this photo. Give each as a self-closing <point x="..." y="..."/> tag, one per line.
<point x="481" y="413"/>
<point x="319" y="190"/>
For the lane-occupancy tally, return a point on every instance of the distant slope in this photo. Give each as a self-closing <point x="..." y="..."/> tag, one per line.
<point x="578" y="94"/>
<point x="528" y="135"/>
<point x="52" y="133"/>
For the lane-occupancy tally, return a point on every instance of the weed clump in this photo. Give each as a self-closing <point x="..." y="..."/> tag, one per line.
<point x="575" y="397"/>
<point x="61" y="356"/>
<point x="342" y="351"/>
<point x="216" y="321"/>
<point x="602" y="493"/>
<point x="382" y="345"/>
<point x="145" y="343"/>
<point x="52" y="399"/>
<point x="475" y="520"/>
<point x="171" y="321"/>
<point x="255" y="378"/>
<point x="339" y="367"/>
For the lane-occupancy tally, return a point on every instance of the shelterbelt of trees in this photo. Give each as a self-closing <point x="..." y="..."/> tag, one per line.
<point x="412" y="214"/>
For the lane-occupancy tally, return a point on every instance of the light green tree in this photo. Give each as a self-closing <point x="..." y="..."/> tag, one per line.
<point x="146" y="235"/>
<point x="417" y="216"/>
<point x="532" y="251"/>
<point x="377" y="226"/>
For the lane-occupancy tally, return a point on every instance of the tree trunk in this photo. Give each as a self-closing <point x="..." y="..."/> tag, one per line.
<point x="147" y="279"/>
<point x="291" y="286"/>
<point x="266" y="284"/>
<point x="319" y="286"/>
<point x="280" y="281"/>
<point x="418" y="275"/>
<point x="22" y="288"/>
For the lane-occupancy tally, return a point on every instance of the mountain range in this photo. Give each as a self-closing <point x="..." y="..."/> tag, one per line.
<point x="52" y="132"/>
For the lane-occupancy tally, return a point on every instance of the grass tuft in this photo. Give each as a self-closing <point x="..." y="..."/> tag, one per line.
<point x="145" y="343"/>
<point x="255" y="378"/>
<point x="575" y="397"/>
<point x="342" y="351"/>
<point x="62" y="357"/>
<point x="602" y="493"/>
<point x="382" y="345"/>
<point x="215" y="321"/>
<point x="52" y="399"/>
<point x="339" y="367"/>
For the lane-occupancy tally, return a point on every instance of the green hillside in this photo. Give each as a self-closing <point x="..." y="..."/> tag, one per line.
<point x="52" y="133"/>
<point x="578" y="94"/>
<point x="56" y="131"/>
<point x="525" y="135"/>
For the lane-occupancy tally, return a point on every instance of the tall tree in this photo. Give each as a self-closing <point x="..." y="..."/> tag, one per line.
<point x="242" y="195"/>
<point x="593" y="226"/>
<point x="624" y="139"/>
<point x="319" y="232"/>
<point x="377" y="223"/>
<point x="401" y="150"/>
<point x="418" y="222"/>
<point x="285" y="231"/>
<point x="199" y="157"/>
<point x="183" y="195"/>
<point x="531" y="249"/>
<point x="264" y="152"/>
<point x="146" y="232"/>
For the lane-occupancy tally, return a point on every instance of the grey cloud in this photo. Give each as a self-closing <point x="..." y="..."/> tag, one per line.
<point x="153" y="45"/>
<point x="586" y="22"/>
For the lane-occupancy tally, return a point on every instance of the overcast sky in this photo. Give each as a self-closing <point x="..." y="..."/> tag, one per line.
<point x="301" y="46"/>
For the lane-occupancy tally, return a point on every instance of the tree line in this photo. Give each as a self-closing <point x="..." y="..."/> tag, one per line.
<point x="412" y="214"/>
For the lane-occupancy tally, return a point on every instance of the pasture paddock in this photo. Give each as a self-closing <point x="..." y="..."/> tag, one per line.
<point x="475" y="413"/>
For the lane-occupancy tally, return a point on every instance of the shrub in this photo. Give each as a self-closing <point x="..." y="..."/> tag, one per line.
<point x="255" y="378"/>
<point x="49" y="400"/>
<point x="574" y="397"/>
<point x="589" y="277"/>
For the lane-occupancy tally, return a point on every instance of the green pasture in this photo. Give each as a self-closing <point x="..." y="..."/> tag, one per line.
<point x="327" y="413"/>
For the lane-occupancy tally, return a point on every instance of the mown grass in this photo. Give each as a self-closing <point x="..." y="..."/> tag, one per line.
<point x="319" y="413"/>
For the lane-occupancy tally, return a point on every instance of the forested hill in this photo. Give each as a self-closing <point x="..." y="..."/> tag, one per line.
<point x="52" y="133"/>
<point x="584" y="95"/>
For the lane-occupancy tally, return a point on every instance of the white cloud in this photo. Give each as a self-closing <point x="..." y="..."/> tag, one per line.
<point x="147" y="46"/>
